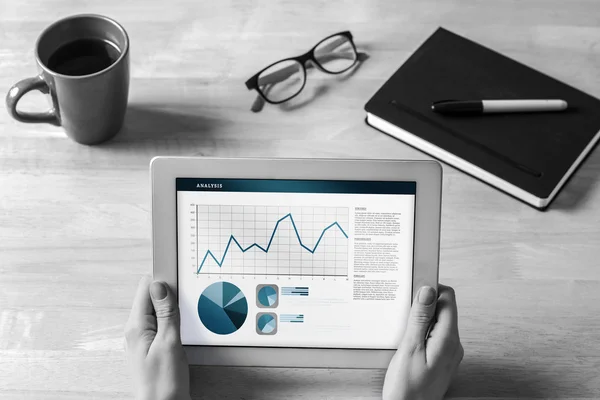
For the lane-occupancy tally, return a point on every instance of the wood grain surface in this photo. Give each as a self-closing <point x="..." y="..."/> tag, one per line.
<point x="75" y="220"/>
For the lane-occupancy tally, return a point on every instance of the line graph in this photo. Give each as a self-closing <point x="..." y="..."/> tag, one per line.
<point x="266" y="249"/>
<point x="258" y="240"/>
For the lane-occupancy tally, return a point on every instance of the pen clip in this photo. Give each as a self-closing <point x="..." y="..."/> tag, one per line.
<point x="443" y="101"/>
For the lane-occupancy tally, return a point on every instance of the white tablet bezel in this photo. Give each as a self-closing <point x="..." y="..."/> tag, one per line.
<point x="164" y="171"/>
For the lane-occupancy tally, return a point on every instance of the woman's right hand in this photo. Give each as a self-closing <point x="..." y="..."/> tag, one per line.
<point x="426" y="360"/>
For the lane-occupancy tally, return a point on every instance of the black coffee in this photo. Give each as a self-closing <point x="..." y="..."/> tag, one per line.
<point x="83" y="57"/>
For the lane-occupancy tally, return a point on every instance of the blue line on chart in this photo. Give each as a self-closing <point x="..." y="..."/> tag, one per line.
<point x="233" y="239"/>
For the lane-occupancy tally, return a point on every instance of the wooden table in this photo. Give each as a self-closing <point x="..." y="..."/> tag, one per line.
<point x="75" y="220"/>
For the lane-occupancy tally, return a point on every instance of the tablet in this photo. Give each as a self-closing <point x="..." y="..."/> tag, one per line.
<point x="294" y="262"/>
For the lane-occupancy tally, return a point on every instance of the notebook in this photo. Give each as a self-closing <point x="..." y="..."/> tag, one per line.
<point x="527" y="155"/>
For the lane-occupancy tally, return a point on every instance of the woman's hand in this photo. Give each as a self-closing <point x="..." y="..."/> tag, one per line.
<point x="155" y="355"/>
<point x="427" y="359"/>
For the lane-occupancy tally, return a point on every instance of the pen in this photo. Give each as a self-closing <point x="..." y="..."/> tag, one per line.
<point x="496" y="106"/>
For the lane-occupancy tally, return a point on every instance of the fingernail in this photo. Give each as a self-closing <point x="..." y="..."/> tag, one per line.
<point x="426" y="295"/>
<point x="158" y="290"/>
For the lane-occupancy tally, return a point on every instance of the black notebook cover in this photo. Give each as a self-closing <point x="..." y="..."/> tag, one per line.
<point x="530" y="151"/>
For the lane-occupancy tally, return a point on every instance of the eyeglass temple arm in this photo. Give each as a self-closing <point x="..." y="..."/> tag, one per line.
<point x="283" y="74"/>
<point x="258" y="104"/>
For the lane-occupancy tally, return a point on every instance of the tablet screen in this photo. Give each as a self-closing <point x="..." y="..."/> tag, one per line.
<point x="294" y="263"/>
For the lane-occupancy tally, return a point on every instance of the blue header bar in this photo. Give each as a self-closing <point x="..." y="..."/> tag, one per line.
<point x="294" y="186"/>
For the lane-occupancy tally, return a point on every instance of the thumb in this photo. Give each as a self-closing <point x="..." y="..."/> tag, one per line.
<point x="421" y="316"/>
<point x="166" y="309"/>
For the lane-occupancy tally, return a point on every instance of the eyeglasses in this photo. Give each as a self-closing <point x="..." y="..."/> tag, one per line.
<point x="285" y="79"/>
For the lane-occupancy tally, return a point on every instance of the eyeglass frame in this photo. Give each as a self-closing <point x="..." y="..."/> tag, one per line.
<point x="252" y="83"/>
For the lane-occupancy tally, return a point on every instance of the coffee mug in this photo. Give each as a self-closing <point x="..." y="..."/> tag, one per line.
<point x="83" y="64"/>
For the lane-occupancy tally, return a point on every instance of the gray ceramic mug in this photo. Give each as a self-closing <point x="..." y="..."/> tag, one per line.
<point x="83" y="64"/>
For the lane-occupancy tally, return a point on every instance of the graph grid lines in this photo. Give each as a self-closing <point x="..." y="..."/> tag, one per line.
<point x="271" y="240"/>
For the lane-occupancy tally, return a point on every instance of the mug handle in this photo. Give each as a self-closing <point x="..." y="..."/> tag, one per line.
<point x="18" y="90"/>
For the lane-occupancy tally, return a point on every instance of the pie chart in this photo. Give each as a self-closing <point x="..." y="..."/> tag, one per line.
<point x="267" y="296"/>
<point x="266" y="324"/>
<point x="222" y="308"/>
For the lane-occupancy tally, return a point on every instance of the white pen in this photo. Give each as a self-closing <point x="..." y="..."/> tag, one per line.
<point x="497" y="106"/>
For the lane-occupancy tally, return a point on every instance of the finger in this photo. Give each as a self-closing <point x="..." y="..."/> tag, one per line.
<point x="142" y="305"/>
<point x="421" y="316"/>
<point x="446" y="312"/>
<point x="457" y="359"/>
<point x="166" y="310"/>
<point x="459" y="354"/>
<point x="141" y="326"/>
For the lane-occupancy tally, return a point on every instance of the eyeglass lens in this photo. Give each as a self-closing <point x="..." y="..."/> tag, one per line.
<point x="335" y="54"/>
<point x="282" y="80"/>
